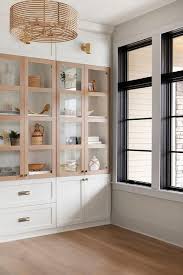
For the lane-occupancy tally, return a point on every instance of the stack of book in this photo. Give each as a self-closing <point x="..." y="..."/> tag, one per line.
<point x="94" y="140"/>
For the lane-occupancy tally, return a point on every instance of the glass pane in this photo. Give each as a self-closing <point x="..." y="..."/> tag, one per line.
<point x="177" y="98"/>
<point x="177" y="53"/>
<point x="139" y="166"/>
<point x="140" y="63"/>
<point x="9" y="72"/>
<point x="9" y="164"/>
<point x="40" y="132"/>
<point x="140" y="134"/>
<point x="39" y="104"/>
<point x="70" y="133"/>
<point x="71" y="105"/>
<point x="71" y="78"/>
<point x="95" y="108"/>
<point x="140" y="103"/>
<point x="177" y="170"/>
<point x="9" y="133"/>
<point x="97" y="133"/>
<point x="9" y="103"/>
<point x="40" y="162"/>
<point x="98" y="81"/>
<point x="70" y="161"/>
<point x="97" y="159"/>
<point x="40" y="75"/>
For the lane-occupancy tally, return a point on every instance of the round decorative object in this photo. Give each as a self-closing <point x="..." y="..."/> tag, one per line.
<point x="43" y="21"/>
<point x="94" y="164"/>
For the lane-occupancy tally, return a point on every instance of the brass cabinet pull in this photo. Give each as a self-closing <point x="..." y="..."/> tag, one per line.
<point x="25" y="219"/>
<point x="24" y="193"/>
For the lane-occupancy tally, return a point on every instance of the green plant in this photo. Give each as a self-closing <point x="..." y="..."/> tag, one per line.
<point x="14" y="135"/>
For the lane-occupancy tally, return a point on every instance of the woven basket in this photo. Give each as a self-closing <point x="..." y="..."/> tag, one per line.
<point x="34" y="81"/>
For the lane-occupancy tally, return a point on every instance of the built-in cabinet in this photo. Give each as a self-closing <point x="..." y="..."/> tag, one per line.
<point x="54" y="118"/>
<point x="83" y="200"/>
<point x="54" y="146"/>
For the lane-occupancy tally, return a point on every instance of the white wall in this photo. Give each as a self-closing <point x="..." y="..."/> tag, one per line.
<point x="150" y="211"/>
<point x="98" y="36"/>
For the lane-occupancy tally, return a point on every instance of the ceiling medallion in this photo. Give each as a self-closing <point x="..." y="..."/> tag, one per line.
<point x="43" y="21"/>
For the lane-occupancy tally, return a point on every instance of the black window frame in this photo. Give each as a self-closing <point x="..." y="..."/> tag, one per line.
<point x="168" y="77"/>
<point x="124" y="85"/>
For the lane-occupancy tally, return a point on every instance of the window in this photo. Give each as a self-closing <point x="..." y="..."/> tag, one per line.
<point x="172" y="106"/>
<point x="135" y="113"/>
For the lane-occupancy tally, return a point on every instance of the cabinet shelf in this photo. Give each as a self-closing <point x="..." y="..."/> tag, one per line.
<point x="4" y="148"/>
<point x="70" y="147"/>
<point x="12" y="88"/>
<point x="71" y="118"/>
<point x="39" y="90"/>
<point x="95" y="146"/>
<point x="97" y="94"/>
<point x="70" y="92"/>
<point x="10" y="117"/>
<point x="97" y="119"/>
<point x="40" y="147"/>
<point x="40" y="118"/>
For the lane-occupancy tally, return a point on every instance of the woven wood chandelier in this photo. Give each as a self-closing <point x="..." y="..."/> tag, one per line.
<point x="43" y="21"/>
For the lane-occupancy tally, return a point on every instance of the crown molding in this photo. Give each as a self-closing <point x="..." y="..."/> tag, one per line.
<point x="94" y="27"/>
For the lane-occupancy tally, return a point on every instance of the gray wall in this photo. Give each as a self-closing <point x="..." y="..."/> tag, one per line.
<point x="150" y="211"/>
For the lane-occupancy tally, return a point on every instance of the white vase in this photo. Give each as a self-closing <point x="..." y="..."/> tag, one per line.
<point x="94" y="164"/>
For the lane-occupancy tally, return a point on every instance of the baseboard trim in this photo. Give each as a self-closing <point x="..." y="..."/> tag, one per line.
<point x="148" y="235"/>
<point x="46" y="232"/>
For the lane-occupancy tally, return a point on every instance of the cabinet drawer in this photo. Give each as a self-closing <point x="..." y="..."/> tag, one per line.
<point x="27" y="194"/>
<point x="27" y="219"/>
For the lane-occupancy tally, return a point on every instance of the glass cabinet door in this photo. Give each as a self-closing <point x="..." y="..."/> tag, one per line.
<point x="97" y="120"/>
<point x="40" y="113"/>
<point x="70" y="89"/>
<point x="11" y="117"/>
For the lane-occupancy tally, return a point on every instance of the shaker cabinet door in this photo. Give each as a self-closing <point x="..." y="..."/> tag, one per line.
<point x="69" y="203"/>
<point x="96" y="195"/>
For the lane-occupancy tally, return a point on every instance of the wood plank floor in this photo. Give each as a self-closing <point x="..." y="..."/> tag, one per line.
<point x="105" y="250"/>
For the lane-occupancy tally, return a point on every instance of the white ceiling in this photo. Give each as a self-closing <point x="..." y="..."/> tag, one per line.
<point x="107" y="12"/>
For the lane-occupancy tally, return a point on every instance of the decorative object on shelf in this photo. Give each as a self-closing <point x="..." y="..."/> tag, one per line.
<point x="14" y="138"/>
<point x="1" y="140"/>
<point x="71" y="79"/>
<point x="33" y="167"/>
<point x="45" y="110"/>
<point x="35" y="81"/>
<point x="94" y="164"/>
<point x="73" y="140"/>
<point x="86" y="47"/>
<point x="37" y="136"/>
<point x="69" y="112"/>
<point x="6" y="138"/>
<point x="90" y="112"/>
<point x="92" y="86"/>
<point x="9" y="171"/>
<point x="8" y="109"/>
<point x="43" y="21"/>
<point x="70" y="166"/>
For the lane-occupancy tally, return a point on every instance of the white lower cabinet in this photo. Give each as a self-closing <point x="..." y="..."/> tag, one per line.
<point x="83" y="200"/>
<point x="69" y="202"/>
<point x="96" y="199"/>
<point x="38" y="207"/>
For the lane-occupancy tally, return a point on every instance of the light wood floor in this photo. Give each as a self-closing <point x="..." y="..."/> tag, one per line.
<point x="106" y="250"/>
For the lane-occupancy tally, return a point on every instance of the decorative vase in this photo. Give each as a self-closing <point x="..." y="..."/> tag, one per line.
<point x="37" y="136"/>
<point x="94" y="164"/>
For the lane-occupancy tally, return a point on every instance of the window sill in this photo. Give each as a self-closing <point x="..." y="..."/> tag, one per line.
<point x="148" y="191"/>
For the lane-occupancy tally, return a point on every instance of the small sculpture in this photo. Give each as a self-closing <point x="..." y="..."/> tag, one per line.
<point x="94" y="164"/>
